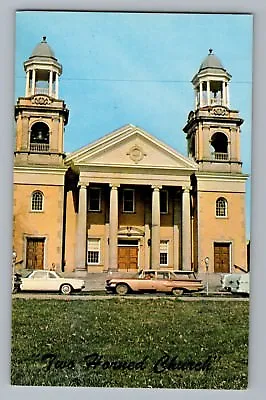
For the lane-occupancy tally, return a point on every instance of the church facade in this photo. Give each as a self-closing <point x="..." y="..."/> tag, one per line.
<point x="128" y="201"/>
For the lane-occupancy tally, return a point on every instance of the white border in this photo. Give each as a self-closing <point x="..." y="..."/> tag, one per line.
<point x="258" y="332"/>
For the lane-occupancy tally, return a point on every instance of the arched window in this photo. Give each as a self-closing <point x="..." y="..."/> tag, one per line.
<point x="219" y="143"/>
<point x="37" y="201"/>
<point x="39" y="137"/>
<point x="221" y="207"/>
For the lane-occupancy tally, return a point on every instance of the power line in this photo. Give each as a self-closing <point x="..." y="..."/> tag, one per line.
<point x="133" y="80"/>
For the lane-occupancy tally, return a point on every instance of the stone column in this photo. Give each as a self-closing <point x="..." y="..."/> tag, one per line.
<point x="147" y="233"/>
<point x="25" y="134"/>
<point x="201" y="94"/>
<point x="186" y="230"/>
<point x="27" y="83"/>
<point x="227" y="95"/>
<point x="176" y="234"/>
<point x="50" y="83"/>
<point x="224" y="95"/>
<point x="81" y="233"/>
<point x="113" y="228"/>
<point x="208" y="93"/>
<point x="155" y="228"/>
<point x="33" y="82"/>
<point x="56" y="85"/>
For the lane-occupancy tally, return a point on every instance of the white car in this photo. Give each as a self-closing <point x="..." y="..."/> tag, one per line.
<point x="50" y="281"/>
<point x="236" y="283"/>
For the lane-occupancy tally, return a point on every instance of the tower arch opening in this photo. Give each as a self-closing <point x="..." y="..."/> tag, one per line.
<point x="219" y="146"/>
<point x="39" y="137"/>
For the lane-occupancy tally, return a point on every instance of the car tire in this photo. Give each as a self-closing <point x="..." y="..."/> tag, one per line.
<point x="65" y="288"/>
<point x="177" y="292"/>
<point x="121" y="289"/>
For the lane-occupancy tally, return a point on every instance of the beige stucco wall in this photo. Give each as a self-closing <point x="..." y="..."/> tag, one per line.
<point x="230" y="229"/>
<point x="46" y="224"/>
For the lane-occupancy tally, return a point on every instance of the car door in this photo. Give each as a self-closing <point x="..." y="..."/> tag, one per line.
<point x="53" y="281"/>
<point x="146" y="282"/>
<point x="163" y="284"/>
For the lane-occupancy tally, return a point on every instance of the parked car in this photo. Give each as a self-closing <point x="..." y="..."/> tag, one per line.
<point x="155" y="281"/>
<point x="50" y="281"/>
<point x="236" y="283"/>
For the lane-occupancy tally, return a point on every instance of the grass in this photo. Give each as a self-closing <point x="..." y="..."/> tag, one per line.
<point x="203" y="344"/>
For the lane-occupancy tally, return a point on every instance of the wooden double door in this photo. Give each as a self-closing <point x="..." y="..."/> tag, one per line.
<point x="127" y="257"/>
<point x="222" y="257"/>
<point x="35" y="253"/>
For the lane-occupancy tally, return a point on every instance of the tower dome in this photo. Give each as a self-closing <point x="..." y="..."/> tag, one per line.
<point x="42" y="71"/>
<point x="212" y="62"/>
<point x="211" y="83"/>
<point x="43" y="50"/>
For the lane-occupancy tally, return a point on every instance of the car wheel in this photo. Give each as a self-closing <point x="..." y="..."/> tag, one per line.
<point x="121" y="289"/>
<point x="66" y="289"/>
<point x="177" y="292"/>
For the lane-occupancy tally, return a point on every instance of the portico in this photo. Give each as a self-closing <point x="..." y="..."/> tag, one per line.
<point x="143" y="218"/>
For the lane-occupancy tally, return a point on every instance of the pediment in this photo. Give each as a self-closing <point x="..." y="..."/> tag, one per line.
<point x="130" y="146"/>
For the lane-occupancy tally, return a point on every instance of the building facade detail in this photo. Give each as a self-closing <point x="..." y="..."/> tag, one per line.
<point x="128" y="201"/>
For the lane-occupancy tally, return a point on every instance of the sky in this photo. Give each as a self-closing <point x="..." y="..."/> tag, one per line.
<point x="121" y="68"/>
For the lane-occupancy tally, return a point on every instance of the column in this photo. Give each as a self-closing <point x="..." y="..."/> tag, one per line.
<point x="33" y="82"/>
<point x="186" y="230"/>
<point x="25" y="134"/>
<point x="176" y="236"/>
<point x="113" y="228"/>
<point x="227" y="95"/>
<point x="81" y="233"/>
<point x="147" y="233"/>
<point x="27" y="83"/>
<point x="201" y="94"/>
<point x="208" y="93"/>
<point x="50" y="83"/>
<point x="224" y="97"/>
<point x="56" y="85"/>
<point x="155" y="228"/>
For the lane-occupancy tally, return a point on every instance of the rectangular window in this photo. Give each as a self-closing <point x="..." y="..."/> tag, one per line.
<point x="164" y="201"/>
<point x="129" y="200"/>
<point x="93" y="251"/>
<point x="94" y="199"/>
<point x="164" y="252"/>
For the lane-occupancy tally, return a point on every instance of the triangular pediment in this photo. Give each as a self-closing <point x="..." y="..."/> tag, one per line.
<point x="130" y="146"/>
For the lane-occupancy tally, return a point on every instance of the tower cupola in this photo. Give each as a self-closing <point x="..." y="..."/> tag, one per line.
<point x="211" y="83"/>
<point x="40" y="115"/>
<point x="42" y="71"/>
<point x="213" y="128"/>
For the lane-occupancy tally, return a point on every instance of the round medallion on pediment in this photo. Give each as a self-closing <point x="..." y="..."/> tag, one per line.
<point x="136" y="153"/>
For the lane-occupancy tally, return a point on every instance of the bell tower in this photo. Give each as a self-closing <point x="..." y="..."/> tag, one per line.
<point x="218" y="195"/>
<point x="39" y="170"/>
<point x="213" y="128"/>
<point x="40" y="114"/>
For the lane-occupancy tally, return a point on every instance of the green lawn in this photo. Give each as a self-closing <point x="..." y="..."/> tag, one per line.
<point x="121" y="342"/>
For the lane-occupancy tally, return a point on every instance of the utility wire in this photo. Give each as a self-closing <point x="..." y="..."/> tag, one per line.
<point x="133" y="80"/>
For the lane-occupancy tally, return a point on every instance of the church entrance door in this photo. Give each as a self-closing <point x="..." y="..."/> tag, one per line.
<point x="127" y="255"/>
<point x="35" y="253"/>
<point x="222" y="257"/>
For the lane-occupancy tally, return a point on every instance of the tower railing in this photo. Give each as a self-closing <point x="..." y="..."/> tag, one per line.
<point x="219" y="156"/>
<point x="39" y="147"/>
<point x="41" y="91"/>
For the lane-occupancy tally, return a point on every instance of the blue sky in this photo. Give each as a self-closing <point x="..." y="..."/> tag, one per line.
<point x="121" y="68"/>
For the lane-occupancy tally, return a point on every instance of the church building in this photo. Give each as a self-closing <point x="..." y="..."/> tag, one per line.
<point x="128" y="201"/>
